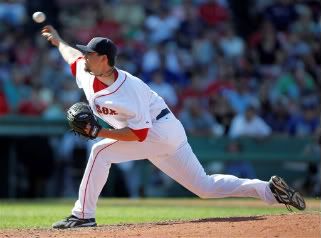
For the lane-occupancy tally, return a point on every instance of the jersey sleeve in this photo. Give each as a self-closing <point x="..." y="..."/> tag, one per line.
<point x="141" y="134"/>
<point x="73" y="66"/>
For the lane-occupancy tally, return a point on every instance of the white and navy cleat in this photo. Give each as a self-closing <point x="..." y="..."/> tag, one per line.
<point x="285" y="194"/>
<point x="73" y="222"/>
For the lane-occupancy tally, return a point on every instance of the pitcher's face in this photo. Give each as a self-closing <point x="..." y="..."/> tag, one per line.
<point x="95" y="63"/>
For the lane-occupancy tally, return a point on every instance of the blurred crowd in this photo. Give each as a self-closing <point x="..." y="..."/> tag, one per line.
<point x="224" y="67"/>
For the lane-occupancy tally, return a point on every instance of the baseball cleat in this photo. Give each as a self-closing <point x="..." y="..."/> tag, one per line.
<point x="73" y="221"/>
<point x="283" y="193"/>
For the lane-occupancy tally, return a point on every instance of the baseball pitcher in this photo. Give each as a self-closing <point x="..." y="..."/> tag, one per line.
<point x="143" y="128"/>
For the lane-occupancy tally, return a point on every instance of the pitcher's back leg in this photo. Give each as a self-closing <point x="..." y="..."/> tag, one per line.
<point x="184" y="167"/>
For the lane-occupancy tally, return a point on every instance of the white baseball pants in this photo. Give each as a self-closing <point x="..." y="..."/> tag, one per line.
<point x="167" y="148"/>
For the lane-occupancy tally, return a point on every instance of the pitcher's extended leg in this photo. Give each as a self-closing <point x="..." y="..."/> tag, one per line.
<point x="184" y="167"/>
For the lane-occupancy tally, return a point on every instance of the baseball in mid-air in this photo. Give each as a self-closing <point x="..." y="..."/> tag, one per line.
<point x="39" y="17"/>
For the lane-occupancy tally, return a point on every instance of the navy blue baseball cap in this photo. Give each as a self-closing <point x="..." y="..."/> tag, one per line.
<point x="102" y="46"/>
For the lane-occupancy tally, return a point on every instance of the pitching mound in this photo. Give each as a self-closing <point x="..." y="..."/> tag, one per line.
<point x="290" y="225"/>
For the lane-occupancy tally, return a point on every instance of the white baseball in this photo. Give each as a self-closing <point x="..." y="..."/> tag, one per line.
<point x="39" y="17"/>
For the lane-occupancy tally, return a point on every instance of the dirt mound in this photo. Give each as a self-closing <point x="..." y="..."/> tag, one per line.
<point x="290" y="225"/>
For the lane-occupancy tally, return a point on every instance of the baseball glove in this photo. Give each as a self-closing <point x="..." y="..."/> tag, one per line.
<point x="82" y="120"/>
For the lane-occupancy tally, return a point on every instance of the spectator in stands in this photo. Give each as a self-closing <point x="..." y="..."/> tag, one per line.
<point x="212" y="13"/>
<point x="69" y="93"/>
<point x="195" y="89"/>
<point x="54" y="110"/>
<point x="13" y="12"/>
<point x="83" y="25"/>
<point x="264" y="95"/>
<point x="5" y="64"/>
<point x="231" y="44"/>
<point x="16" y="89"/>
<point x="306" y="123"/>
<point x="279" y="117"/>
<point x="52" y="69"/>
<point x="220" y="109"/>
<point x="224" y="78"/>
<point x="249" y="124"/>
<point x="267" y="52"/>
<point x="304" y="26"/>
<point x="129" y="13"/>
<point x="294" y="83"/>
<point x="190" y="27"/>
<point x="312" y="62"/>
<point x="131" y="56"/>
<point x="197" y="121"/>
<point x="281" y="13"/>
<point x="164" y="89"/>
<point x="32" y="106"/>
<point x="107" y="25"/>
<point x="4" y="108"/>
<point x="296" y="47"/>
<point x="318" y="134"/>
<point x="25" y="54"/>
<point x="173" y="65"/>
<point x="203" y="49"/>
<point x="151" y="60"/>
<point x="240" y="96"/>
<point x="161" y="25"/>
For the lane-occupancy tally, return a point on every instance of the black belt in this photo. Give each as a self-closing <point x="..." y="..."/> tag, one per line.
<point x="164" y="112"/>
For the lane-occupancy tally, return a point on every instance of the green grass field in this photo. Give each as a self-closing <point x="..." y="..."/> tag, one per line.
<point x="42" y="213"/>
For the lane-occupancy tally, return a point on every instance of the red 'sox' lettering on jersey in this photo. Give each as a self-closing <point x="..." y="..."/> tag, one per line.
<point x="105" y="110"/>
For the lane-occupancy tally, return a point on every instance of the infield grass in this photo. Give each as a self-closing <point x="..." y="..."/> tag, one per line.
<point x="42" y="213"/>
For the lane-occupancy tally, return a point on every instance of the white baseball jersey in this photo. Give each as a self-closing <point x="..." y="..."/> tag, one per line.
<point x="129" y="102"/>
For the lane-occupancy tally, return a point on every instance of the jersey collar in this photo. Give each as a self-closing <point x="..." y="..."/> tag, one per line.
<point x="115" y="86"/>
<point x="98" y="85"/>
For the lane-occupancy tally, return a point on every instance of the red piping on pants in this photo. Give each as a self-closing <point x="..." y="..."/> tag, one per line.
<point x="84" y="201"/>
